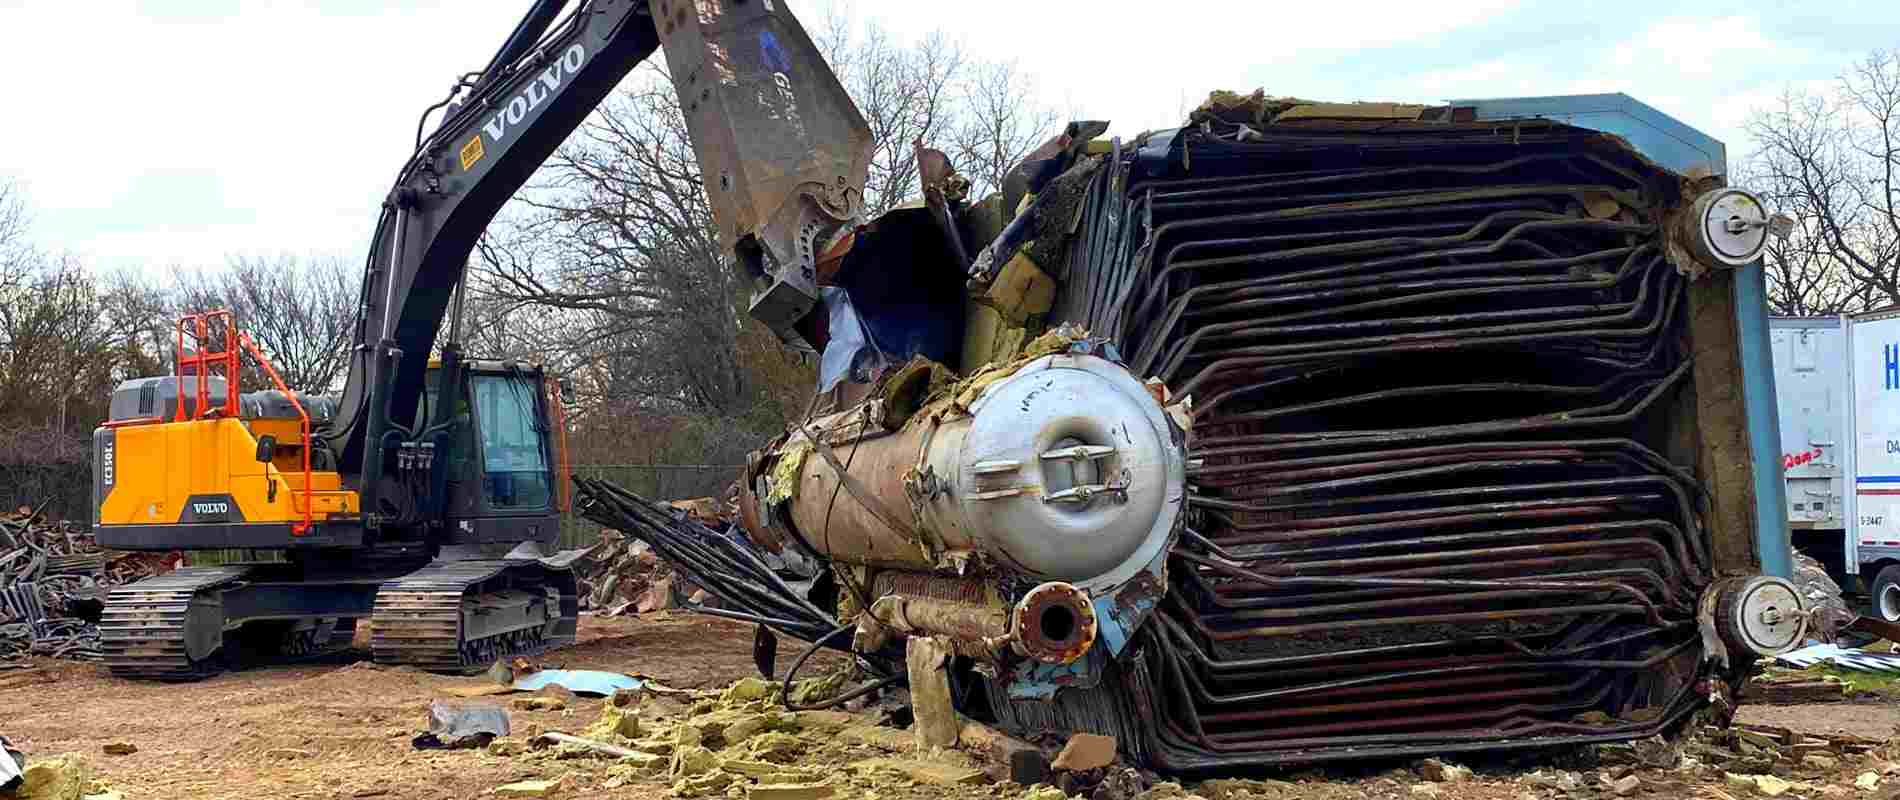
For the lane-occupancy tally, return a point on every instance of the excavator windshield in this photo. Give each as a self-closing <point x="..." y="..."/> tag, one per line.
<point x="514" y="458"/>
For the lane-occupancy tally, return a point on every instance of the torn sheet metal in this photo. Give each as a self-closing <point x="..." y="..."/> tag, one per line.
<point x="1843" y="657"/>
<point x="462" y="725"/>
<point x="11" y="763"/>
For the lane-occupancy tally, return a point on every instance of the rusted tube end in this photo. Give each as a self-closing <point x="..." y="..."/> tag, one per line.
<point x="1759" y="616"/>
<point x="1054" y="623"/>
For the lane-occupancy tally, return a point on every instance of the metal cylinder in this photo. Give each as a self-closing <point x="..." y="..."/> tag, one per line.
<point x="1067" y="469"/>
<point x="1759" y="616"/>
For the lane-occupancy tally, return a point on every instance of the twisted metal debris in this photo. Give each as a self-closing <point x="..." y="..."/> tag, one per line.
<point x="1447" y="468"/>
<point x="49" y="573"/>
<point x="747" y="587"/>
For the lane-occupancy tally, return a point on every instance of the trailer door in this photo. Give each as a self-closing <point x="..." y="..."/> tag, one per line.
<point x="1874" y="530"/>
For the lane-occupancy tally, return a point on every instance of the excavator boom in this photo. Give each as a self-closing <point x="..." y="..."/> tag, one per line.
<point x="782" y="148"/>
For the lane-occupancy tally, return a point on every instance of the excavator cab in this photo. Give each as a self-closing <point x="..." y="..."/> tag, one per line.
<point x="189" y="461"/>
<point x="500" y="477"/>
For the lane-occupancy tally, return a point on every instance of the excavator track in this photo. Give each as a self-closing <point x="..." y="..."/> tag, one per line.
<point x="174" y="627"/>
<point x="461" y="616"/>
<point x="169" y="627"/>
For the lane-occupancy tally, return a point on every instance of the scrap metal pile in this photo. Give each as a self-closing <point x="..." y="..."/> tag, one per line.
<point x="52" y="580"/>
<point x="622" y="574"/>
<point x="1306" y="432"/>
<point x="619" y="575"/>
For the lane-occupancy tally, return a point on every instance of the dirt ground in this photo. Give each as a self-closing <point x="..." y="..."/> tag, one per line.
<point x="343" y="730"/>
<point x="329" y="730"/>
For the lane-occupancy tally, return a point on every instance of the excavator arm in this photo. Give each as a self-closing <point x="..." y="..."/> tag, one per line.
<point x="783" y="150"/>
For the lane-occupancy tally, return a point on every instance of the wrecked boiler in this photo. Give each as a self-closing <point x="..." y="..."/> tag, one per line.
<point x="1304" y="432"/>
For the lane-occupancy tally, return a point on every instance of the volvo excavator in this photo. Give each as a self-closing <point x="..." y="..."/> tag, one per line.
<point x="426" y="497"/>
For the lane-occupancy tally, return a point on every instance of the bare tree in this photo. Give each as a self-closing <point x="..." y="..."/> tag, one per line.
<point x="58" y="360"/>
<point x="907" y="91"/>
<point x="299" y="311"/>
<point x="997" y="124"/>
<point x="1829" y="159"/>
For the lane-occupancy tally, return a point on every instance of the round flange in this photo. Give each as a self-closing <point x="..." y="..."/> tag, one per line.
<point x="1762" y="615"/>
<point x="1055" y="623"/>
<point x="1728" y="227"/>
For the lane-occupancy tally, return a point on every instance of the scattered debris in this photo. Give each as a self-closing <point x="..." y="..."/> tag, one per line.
<point x="551" y="739"/>
<point x="1010" y="758"/>
<point x="458" y="725"/>
<point x="1849" y="658"/>
<point x="544" y="788"/>
<point x="539" y="703"/>
<point x="1827" y="611"/>
<point x="53" y="580"/>
<point x="789" y="791"/>
<point x="936" y="773"/>
<point x="620" y="574"/>
<point x="61" y="778"/>
<point x="616" y="721"/>
<point x="11" y="762"/>
<point x="1767" y="785"/>
<point x="1439" y="771"/>
<point x="1086" y="751"/>
<point x="1780" y="685"/>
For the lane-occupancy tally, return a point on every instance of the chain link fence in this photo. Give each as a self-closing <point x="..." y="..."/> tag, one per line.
<point x="652" y="481"/>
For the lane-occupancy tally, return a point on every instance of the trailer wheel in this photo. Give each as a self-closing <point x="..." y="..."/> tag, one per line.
<point x="1886" y="599"/>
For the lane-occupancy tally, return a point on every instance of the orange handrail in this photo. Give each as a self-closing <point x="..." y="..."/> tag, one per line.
<point x="204" y="360"/>
<point x="560" y="433"/>
<point x="234" y="342"/>
<point x="303" y="417"/>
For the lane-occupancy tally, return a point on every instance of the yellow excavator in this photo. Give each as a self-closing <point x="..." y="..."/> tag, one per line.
<point x="427" y="496"/>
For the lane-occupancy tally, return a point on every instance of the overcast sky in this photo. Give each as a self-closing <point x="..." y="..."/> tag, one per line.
<point x="179" y="132"/>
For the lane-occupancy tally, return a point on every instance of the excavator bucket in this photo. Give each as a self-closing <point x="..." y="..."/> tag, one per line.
<point x="783" y="149"/>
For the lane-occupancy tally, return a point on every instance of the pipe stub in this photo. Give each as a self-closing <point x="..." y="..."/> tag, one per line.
<point x="1055" y="623"/>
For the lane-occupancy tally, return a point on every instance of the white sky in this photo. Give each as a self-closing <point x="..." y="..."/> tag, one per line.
<point x="176" y="133"/>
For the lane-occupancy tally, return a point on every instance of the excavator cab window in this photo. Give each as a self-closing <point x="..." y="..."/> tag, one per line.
<point x="513" y="441"/>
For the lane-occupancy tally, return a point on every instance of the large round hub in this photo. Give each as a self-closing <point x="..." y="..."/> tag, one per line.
<point x="1762" y="615"/>
<point x="1070" y="471"/>
<point x="1728" y="227"/>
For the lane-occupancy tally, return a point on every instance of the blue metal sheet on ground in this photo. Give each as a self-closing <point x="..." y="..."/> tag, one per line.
<point x="578" y="681"/>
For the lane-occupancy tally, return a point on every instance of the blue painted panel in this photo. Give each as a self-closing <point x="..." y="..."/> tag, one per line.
<point x="1658" y="136"/>
<point x="1772" y="541"/>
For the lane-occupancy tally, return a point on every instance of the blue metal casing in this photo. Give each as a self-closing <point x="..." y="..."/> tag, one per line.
<point x="1657" y="136"/>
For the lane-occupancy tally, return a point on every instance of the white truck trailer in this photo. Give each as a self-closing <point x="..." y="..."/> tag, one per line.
<point x="1837" y="386"/>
